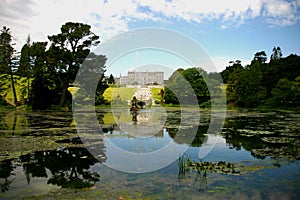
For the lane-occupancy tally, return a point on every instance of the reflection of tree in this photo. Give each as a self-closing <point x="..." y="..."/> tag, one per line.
<point x="6" y="167"/>
<point x="13" y="121"/>
<point x="34" y="165"/>
<point x="238" y="141"/>
<point x="3" y="124"/>
<point x="248" y="143"/>
<point x="69" y="167"/>
<point x="257" y="131"/>
<point x="185" y="135"/>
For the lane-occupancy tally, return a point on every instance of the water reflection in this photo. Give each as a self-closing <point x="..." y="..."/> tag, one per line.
<point x="67" y="168"/>
<point x="6" y="169"/>
<point x="269" y="139"/>
<point x="13" y="122"/>
<point x="34" y="123"/>
<point x="271" y="134"/>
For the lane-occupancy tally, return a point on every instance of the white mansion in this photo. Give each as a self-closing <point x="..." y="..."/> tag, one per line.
<point x="141" y="78"/>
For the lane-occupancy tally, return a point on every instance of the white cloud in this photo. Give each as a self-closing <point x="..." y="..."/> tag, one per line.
<point x="45" y="17"/>
<point x="199" y="10"/>
<point x="282" y="13"/>
<point x="221" y="62"/>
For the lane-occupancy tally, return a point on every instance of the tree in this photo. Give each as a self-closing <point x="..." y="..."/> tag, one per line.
<point x="92" y="81"/>
<point x="183" y="85"/>
<point x="111" y="79"/>
<point x="248" y="88"/>
<point x="25" y="68"/>
<point x="175" y="74"/>
<point x="276" y="55"/>
<point x="216" y="76"/>
<point x="171" y="89"/>
<point x="197" y="77"/>
<point x="67" y="51"/>
<point x="288" y="67"/>
<point x="43" y="86"/>
<point x="260" y="56"/>
<point x="296" y="91"/>
<point x="6" y="58"/>
<point x="228" y="75"/>
<point x="281" y="94"/>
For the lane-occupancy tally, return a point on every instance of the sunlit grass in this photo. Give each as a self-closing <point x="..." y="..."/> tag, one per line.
<point x="123" y="92"/>
<point x="20" y="86"/>
<point x="156" y="94"/>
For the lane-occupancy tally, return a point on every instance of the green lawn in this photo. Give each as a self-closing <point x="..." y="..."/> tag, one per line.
<point x="113" y="92"/>
<point x="155" y="94"/>
<point x="126" y="93"/>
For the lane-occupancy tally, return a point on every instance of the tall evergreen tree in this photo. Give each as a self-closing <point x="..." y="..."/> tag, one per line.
<point x="6" y="58"/>
<point x="276" y="54"/>
<point x="111" y="79"/>
<point x="25" y="67"/>
<point x="43" y="85"/>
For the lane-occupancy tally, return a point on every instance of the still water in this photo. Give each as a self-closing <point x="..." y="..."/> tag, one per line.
<point x="254" y="156"/>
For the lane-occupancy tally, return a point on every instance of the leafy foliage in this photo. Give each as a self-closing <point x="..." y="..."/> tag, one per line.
<point x="50" y="69"/>
<point x="185" y="85"/>
<point x="248" y="87"/>
<point x="67" y="52"/>
<point x="273" y="84"/>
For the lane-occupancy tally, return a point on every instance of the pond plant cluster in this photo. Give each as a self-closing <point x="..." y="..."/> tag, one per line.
<point x="265" y="134"/>
<point x="186" y="165"/>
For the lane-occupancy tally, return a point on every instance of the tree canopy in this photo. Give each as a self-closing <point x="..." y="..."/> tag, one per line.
<point x="264" y="84"/>
<point x="50" y="67"/>
<point x="184" y="85"/>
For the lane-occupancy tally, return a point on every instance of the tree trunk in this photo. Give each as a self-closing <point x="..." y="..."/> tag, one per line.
<point x="63" y="92"/>
<point x="13" y="86"/>
<point x="28" y="89"/>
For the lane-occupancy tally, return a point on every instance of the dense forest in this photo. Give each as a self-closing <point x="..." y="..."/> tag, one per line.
<point x="39" y="75"/>
<point x="259" y="84"/>
<point x="273" y="84"/>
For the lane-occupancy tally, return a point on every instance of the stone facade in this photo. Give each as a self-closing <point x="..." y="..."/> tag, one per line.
<point x="141" y="78"/>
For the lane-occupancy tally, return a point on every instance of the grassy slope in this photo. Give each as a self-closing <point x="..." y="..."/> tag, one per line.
<point x="6" y="89"/>
<point x="127" y="93"/>
<point x="124" y="93"/>
<point x="155" y="94"/>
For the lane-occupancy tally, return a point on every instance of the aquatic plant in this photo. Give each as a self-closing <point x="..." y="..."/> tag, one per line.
<point x="181" y="162"/>
<point x="185" y="165"/>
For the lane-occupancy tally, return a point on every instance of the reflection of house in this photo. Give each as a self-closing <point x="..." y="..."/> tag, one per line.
<point x="141" y="78"/>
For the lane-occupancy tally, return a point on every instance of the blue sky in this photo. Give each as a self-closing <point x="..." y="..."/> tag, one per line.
<point x="227" y="30"/>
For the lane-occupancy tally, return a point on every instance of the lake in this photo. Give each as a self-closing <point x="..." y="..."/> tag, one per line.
<point x="162" y="153"/>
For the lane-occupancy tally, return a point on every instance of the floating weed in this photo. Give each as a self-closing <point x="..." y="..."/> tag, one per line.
<point x="187" y="165"/>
